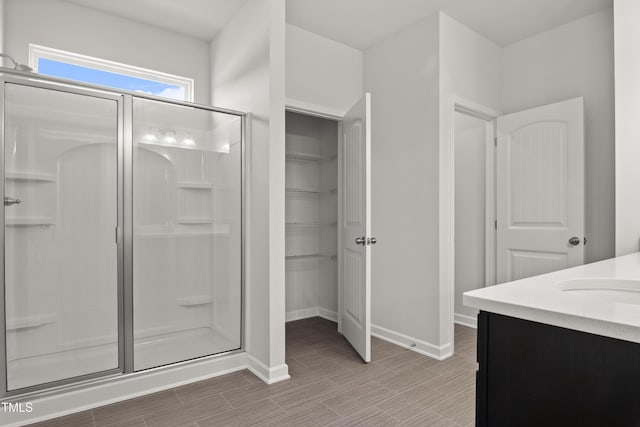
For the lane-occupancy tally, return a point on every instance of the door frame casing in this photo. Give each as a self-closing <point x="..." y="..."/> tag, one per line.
<point x="446" y="240"/>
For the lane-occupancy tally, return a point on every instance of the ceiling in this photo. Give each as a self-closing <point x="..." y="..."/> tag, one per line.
<point x="196" y="18"/>
<point x="361" y="23"/>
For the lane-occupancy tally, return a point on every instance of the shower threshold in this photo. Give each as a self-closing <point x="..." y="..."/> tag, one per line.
<point x="150" y="352"/>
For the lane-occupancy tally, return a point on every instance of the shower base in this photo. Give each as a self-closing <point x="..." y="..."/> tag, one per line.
<point x="165" y="349"/>
<point x="150" y="352"/>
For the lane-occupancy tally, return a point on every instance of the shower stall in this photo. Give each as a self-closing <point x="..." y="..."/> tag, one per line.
<point x="122" y="232"/>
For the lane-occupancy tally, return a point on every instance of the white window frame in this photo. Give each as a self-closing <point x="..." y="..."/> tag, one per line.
<point x="36" y="52"/>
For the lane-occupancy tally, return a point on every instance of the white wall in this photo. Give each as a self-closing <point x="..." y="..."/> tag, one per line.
<point x="401" y="72"/>
<point x="469" y="65"/>
<point x="627" y="104"/>
<point x="429" y="64"/>
<point x="575" y="60"/>
<point x="322" y="75"/>
<point x="470" y="146"/>
<point x="2" y="30"/>
<point x="248" y="62"/>
<point x="78" y="29"/>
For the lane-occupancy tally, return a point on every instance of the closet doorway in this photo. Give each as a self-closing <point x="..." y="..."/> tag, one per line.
<point x="328" y="237"/>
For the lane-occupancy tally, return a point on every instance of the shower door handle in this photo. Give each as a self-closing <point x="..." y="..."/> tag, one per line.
<point x="10" y="201"/>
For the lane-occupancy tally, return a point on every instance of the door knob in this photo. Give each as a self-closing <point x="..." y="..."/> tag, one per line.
<point x="372" y="241"/>
<point x="8" y="201"/>
<point x="360" y="241"/>
<point x="574" y="241"/>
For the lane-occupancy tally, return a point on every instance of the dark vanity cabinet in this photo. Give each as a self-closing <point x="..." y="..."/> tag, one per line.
<point x="534" y="374"/>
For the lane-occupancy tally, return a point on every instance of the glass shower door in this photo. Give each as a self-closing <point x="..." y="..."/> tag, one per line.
<point x="60" y="214"/>
<point x="187" y="252"/>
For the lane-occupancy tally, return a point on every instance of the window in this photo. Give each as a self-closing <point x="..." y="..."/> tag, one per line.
<point x="73" y="66"/>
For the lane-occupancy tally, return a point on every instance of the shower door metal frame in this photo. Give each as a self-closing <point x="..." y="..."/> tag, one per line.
<point x="128" y="226"/>
<point x="76" y="90"/>
<point x="123" y="232"/>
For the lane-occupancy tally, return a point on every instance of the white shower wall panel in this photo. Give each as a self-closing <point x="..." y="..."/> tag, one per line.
<point x="60" y="252"/>
<point x="173" y="296"/>
<point x="187" y="260"/>
<point x="227" y="215"/>
<point x="86" y="219"/>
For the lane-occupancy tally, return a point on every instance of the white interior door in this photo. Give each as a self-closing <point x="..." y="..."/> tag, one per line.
<point x="355" y="289"/>
<point x="540" y="190"/>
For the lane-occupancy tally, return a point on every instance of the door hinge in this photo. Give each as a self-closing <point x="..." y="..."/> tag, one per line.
<point x="116" y="228"/>
<point x="495" y="224"/>
<point x="495" y="141"/>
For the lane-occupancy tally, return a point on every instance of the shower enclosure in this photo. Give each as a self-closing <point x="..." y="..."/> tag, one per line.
<point x="122" y="231"/>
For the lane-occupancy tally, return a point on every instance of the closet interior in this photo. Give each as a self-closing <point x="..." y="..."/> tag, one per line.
<point x="311" y="217"/>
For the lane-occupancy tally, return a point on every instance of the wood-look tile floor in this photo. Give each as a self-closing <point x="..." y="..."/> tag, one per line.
<point x="329" y="386"/>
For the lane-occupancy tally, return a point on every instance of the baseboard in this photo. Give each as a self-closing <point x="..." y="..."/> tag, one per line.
<point x="468" y="321"/>
<point x="328" y="314"/>
<point x="413" y="344"/>
<point x="119" y="388"/>
<point x="306" y="313"/>
<point x="266" y="374"/>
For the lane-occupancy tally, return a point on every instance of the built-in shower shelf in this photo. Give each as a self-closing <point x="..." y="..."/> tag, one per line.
<point x="30" y="322"/>
<point x="195" y="300"/>
<point x="194" y="220"/>
<point x="188" y="185"/>
<point x="30" y="177"/>
<point x="29" y="220"/>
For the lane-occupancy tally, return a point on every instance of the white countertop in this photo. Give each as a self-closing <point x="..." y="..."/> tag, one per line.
<point x="540" y="299"/>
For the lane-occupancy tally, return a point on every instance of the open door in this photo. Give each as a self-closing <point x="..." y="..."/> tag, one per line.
<point x="355" y="289"/>
<point x="540" y="190"/>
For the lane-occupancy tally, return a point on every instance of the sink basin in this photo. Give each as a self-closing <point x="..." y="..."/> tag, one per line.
<point x="626" y="291"/>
